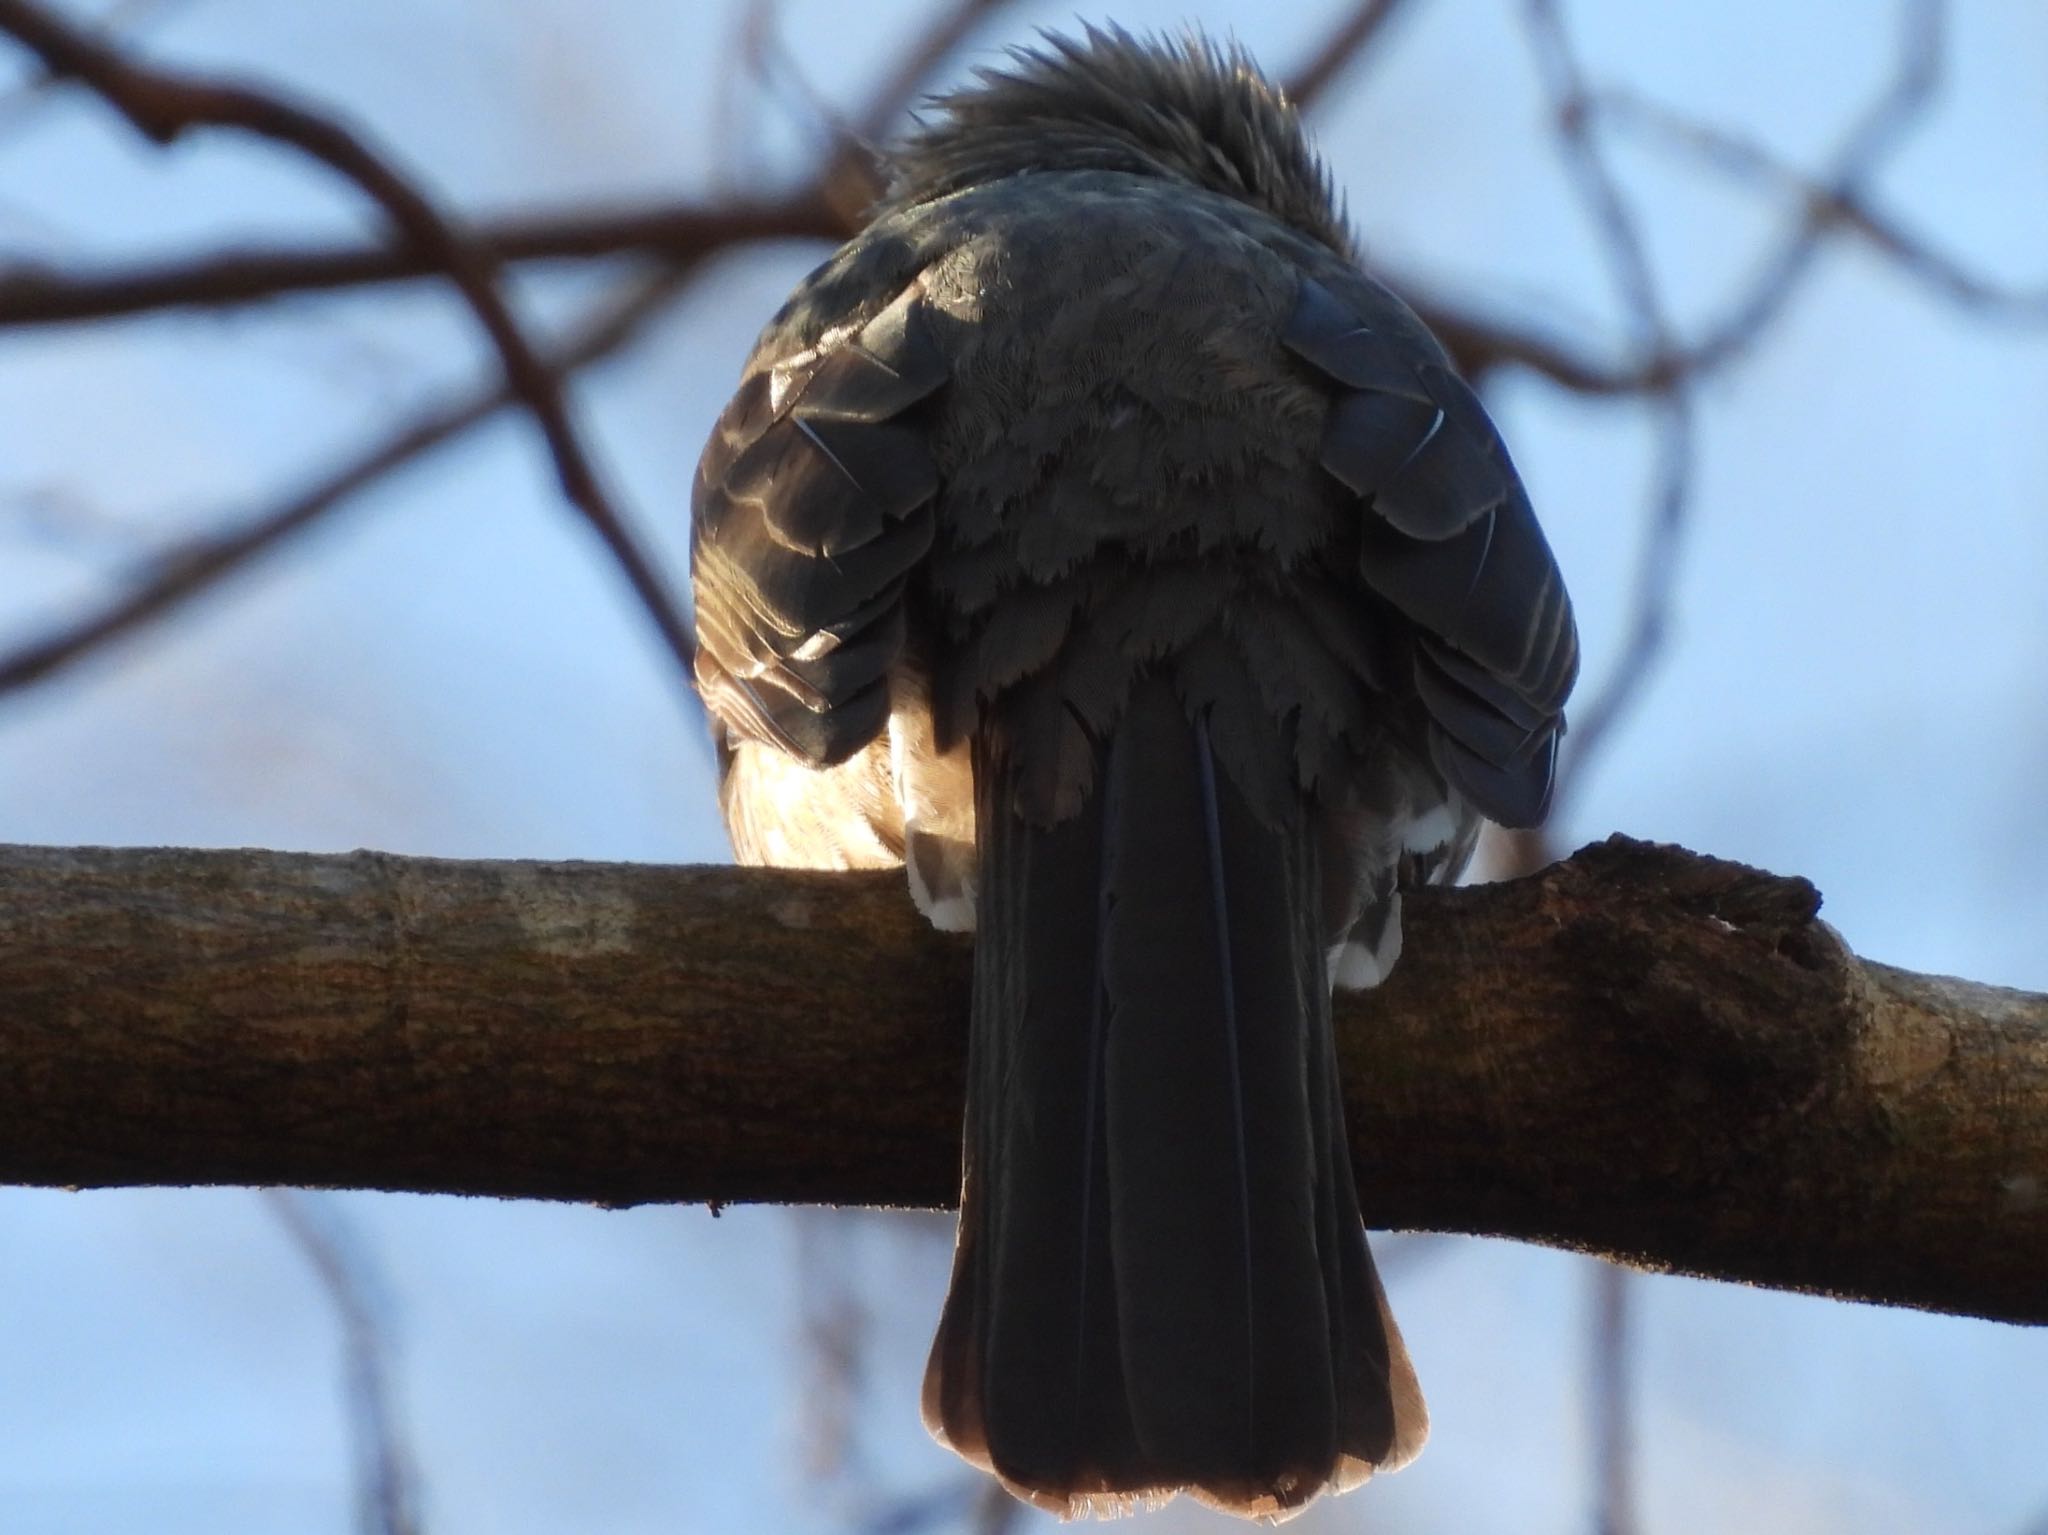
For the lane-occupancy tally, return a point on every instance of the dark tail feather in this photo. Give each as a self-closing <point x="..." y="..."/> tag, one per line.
<point x="1161" y="1281"/>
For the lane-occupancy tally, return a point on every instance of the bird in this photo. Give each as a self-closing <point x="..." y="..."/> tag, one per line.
<point x="1094" y="537"/>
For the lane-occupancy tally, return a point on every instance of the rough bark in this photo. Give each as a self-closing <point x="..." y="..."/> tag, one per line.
<point x="1639" y="1052"/>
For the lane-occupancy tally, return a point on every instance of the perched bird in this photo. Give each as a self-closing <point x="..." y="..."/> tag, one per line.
<point x="1092" y="536"/>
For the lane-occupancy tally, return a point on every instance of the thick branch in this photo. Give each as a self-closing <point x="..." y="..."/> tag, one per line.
<point x="1639" y="1052"/>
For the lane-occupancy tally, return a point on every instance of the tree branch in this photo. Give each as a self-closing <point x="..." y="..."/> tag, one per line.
<point x="32" y="295"/>
<point x="1640" y="1052"/>
<point x="195" y="566"/>
<point x="1628" y="255"/>
<point x="164" y="106"/>
<point x="40" y="295"/>
<point x="387" y="1492"/>
<point x="1825" y="206"/>
<point x="1348" y="44"/>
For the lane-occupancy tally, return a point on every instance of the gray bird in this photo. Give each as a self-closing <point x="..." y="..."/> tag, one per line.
<point x="1091" y="536"/>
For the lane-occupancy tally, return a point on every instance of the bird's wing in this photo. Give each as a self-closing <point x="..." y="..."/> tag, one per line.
<point x="1450" y="542"/>
<point x="813" y="502"/>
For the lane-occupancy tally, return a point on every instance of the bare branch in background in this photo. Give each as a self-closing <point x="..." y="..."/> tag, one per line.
<point x="1480" y="342"/>
<point x="967" y="1500"/>
<point x="767" y="64"/>
<point x="196" y="566"/>
<point x="952" y="24"/>
<point x="1621" y="238"/>
<point x="18" y="105"/>
<point x="690" y="230"/>
<point x="1826" y="207"/>
<point x="1612" y="1393"/>
<point x="835" y="1323"/>
<point x="164" y="106"/>
<point x="995" y="1510"/>
<point x="1876" y="135"/>
<point x="943" y="1506"/>
<point x="387" y="1493"/>
<point x="854" y="177"/>
<point x="1349" y="43"/>
<point x="682" y="232"/>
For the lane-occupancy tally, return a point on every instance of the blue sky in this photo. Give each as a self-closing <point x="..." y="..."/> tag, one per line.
<point x="1853" y="692"/>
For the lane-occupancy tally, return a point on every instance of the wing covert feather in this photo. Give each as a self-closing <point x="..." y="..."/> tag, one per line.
<point x="813" y="504"/>
<point x="1447" y="540"/>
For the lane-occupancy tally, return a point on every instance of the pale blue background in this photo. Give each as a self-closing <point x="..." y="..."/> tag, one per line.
<point x="1854" y="692"/>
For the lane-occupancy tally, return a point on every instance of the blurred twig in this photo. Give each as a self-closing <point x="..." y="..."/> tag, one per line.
<point x="968" y="1500"/>
<point x="18" y="103"/>
<point x="679" y="232"/>
<point x="857" y="172"/>
<point x="950" y="27"/>
<point x="1877" y="132"/>
<point x="387" y="1495"/>
<point x="732" y="159"/>
<point x="951" y="1500"/>
<point x="994" y="1509"/>
<point x="1669" y="369"/>
<point x="1613" y="1402"/>
<point x="835" y="1331"/>
<point x="1622" y="240"/>
<point x="1348" y="43"/>
<point x="164" y="106"/>
<point x="1825" y="206"/>
<point x="766" y="62"/>
<point x="1481" y="342"/>
<point x="196" y="566"/>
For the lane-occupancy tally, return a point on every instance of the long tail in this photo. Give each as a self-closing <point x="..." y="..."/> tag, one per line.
<point x="1161" y="1282"/>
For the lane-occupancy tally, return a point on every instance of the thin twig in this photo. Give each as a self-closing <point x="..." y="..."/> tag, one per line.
<point x="942" y="38"/>
<point x="732" y="158"/>
<point x="679" y="232"/>
<point x="1349" y="42"/>
<point x="1824" y="206"/>
<point x="1876" y="133"/>
<point x="196" y="566"/>
<point x="858" y="173"/>
<point x="163" y="106"/>
<point x="767" y="63"/>
<point x="835" y="1327"/>
<point x="913" y="1513"/>
<point x="18" y="104"/>
<point x="995" y="1510"/>
<point x="1480" y="342"/>
<point x="387" y="1494"/>
<point x="1628" y="255"/>
<point x="1613" y="1401"/>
